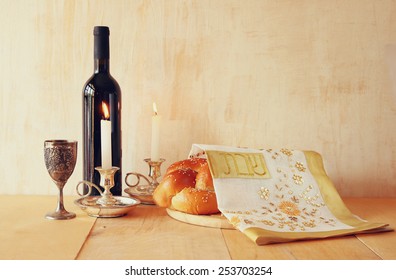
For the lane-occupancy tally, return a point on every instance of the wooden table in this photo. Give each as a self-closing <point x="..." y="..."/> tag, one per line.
<point x="148" y="233"/>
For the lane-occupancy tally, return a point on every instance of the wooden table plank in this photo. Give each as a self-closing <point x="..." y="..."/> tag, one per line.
<point x="344" y="248"/>
<point x="25" y="234"/>
<point x="379" y="210"/>
<point x="147" y="232"/>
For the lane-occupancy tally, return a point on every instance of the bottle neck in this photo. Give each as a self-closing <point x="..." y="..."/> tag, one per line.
<point x="101" y="50"/>
<point x="101" y="65"/>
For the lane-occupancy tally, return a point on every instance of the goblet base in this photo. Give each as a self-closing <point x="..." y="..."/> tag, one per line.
<point x="60" y="215"/>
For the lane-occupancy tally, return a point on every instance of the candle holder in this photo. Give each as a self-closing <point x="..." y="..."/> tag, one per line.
<point x="107" y="182"/>
<point x="105" y="205"/>
<point x="144" y="192"/>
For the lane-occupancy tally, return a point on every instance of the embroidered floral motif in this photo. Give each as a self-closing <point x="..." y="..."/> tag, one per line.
<point x="235" y="221"/>
<point x="264" y="193"/>
<point x="300" y="166"/>
<point x="289" y="208"/>
<point x="267" y="222"/>
<point x="298" y="180"/>
<point x="287" y="152"/>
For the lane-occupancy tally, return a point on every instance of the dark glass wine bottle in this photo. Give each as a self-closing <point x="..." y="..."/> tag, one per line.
<point x="100" y="90"/>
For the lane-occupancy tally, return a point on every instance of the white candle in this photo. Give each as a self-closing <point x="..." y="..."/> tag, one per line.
<point x="155" y="137"/>
<point x="105" y="126"/>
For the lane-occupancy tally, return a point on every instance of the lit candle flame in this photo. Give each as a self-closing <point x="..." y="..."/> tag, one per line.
<point x="105" y="111"/>
<point x="155" y="108"/>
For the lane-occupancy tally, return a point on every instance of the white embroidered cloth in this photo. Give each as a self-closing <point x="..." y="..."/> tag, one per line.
<point x="278" y="195"/>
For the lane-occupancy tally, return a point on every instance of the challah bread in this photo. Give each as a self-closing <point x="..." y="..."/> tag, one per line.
<point x="191" y="163"/>
<point x="187" y="186"/>
<point x="195" y="201"/>
<point x="171" y="184"/>
<point x="204" y="180"/>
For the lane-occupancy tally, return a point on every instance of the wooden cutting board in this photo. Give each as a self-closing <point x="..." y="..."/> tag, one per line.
<point x="215" y="221"/>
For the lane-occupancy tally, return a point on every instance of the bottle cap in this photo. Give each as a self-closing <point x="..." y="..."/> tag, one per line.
<point x="101" y="31"/>
<point x="101" y="42"/>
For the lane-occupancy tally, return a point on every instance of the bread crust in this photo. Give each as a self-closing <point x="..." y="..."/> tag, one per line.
<point x="187" y="186"/>
<point x="171" y="184"/>
<point x="195" y="201"/>
<point x="192" y="163"/>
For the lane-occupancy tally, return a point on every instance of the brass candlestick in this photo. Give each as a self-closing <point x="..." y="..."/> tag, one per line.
<point x="105" y="205"/>
<point x="144" y="192"/>
<point x="107" y="182"/>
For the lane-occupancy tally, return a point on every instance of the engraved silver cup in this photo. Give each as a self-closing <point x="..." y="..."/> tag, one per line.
<point x="60" y="158"/>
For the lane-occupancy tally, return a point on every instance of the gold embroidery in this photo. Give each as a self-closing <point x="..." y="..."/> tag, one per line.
<point x="310" y="224"/>
<point x="289" y="208"/>
<point x="267" y="222"/>
<point x="248" y="222"/>
<point x="275" y="155"/>
<point x="287" y="152"/>
<point x="300" y="166"/>
<point x="237" y="165"/>
<point x="235" y="221"/>
<point x="264" y="193"/>
<point x="278" y="187"/>
<point x="298" y="180"/>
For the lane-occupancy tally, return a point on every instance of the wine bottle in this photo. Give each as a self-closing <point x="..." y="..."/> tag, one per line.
<point x="101" y="96"/>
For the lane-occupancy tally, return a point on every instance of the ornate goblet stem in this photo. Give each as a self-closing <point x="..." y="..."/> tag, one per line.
<point x="60" y="213"/>
<point x="60" y="159"/>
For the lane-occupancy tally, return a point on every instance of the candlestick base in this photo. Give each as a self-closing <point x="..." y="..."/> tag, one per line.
<point x="105" y="205"/>
<point x="144" y="192"/>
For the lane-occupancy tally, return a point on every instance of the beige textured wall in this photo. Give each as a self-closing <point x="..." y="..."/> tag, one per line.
<point x="305" y="74"/>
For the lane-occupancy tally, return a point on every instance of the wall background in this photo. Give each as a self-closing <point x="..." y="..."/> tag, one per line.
<point x="308" y="74"/>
